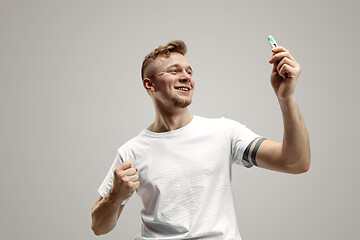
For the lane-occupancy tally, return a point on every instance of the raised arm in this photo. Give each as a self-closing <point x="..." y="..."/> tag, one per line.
<point x="106" y="210"/>
<point x="293" y="154"/>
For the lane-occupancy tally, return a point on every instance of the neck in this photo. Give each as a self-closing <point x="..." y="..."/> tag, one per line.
<point x="168" y="121"/>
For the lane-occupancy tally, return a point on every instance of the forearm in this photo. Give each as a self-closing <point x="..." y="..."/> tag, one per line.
<point x="105" y="214"/>
<point x="296" y="144"/>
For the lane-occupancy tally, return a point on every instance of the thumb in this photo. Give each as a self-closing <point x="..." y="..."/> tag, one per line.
<point x="134" y="167"/>
<point x="275" y="65"/>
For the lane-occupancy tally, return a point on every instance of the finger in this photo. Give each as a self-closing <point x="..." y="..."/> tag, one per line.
<point x="136" y="185"/>
<point x="279" y="49"/>
<point x="134" y="167"/>
<point x="275" y="65"/>
<point x="280" y="56"/>
<point x="125" y="165"/>
<point x="120" y="172"/>
<point x="133" y="185"/>
<point x="286" y="71"/>
<point x="129" y="180"/>
<point x="282" y="71"/>
<point x="287" y="61"/>
<point x="129" y="172"/>
<point x="132" y="178"/>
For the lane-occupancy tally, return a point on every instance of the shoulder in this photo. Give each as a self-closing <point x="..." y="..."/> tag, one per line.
<point x="220" y="125"/>
<point x="220" y="121"/>
<point x="130" y="145"/>
<point x="212" y="121"/>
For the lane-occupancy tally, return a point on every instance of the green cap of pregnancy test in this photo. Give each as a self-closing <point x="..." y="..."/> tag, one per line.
<point x="271" y="39"/>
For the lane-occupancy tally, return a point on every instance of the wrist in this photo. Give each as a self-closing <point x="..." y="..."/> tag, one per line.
<point x="287" y="99"/>
<point x="113" y="198"/>
<point x="288" y="104"/>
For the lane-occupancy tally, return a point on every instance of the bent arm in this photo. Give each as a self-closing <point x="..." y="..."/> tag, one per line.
<point x="105" y="214"/>
<point x="106" y="210"/>
<point x="293" y="154"/>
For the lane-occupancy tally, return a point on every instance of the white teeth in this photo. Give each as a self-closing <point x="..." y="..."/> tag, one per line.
<point x="183" y="89"/>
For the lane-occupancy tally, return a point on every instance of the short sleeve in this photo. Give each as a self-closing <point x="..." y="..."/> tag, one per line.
<point x="109" y="178"/>
<point x="240" y="138"/>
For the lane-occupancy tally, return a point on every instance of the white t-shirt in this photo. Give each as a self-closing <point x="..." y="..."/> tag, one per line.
<point x="185" y="178"/>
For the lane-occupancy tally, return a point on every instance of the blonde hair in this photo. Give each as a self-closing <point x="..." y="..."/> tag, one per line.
<point x="173" y="46"/>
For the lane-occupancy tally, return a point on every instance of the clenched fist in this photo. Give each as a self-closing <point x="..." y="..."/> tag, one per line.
<point x="126" y="181"/>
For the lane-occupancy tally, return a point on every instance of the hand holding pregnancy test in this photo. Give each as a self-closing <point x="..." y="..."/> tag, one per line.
<point x="285" y="71"/>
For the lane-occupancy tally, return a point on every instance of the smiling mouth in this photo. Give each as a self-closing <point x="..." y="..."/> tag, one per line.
<point x="185" y="89"/>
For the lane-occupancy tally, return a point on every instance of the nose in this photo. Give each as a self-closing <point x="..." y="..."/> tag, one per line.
<point x="185" y="77"/>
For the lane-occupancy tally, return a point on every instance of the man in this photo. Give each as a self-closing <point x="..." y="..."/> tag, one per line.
<point x="180" y="165"/>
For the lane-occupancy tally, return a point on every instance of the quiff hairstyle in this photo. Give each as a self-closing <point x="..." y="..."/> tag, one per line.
<point x="173" y="46"/>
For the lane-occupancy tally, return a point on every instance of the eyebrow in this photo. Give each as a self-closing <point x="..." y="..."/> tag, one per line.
<point x="177" y="65"/>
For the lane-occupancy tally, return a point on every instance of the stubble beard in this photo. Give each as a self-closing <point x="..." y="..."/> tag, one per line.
<point x="181" y="103"/>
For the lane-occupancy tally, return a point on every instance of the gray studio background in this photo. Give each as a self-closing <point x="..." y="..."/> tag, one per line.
<point x="71" y="94"/>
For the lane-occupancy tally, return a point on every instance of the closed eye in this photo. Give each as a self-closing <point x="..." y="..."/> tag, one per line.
<point x="173" y="71"/>
<point x="177" y="70"/>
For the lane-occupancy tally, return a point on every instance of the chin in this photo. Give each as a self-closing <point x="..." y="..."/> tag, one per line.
<point x="181" y="103"/>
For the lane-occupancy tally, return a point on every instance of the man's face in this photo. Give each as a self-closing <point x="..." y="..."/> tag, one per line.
<point x="173" y="81"/>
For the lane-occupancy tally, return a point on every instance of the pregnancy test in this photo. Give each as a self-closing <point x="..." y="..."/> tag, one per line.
<point x="272" y="41"/>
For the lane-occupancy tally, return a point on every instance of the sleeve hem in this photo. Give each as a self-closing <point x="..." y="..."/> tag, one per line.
<point x="102" y="193"/>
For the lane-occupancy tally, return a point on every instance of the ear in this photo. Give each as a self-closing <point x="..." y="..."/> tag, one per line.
<point x="148" y="84"/>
